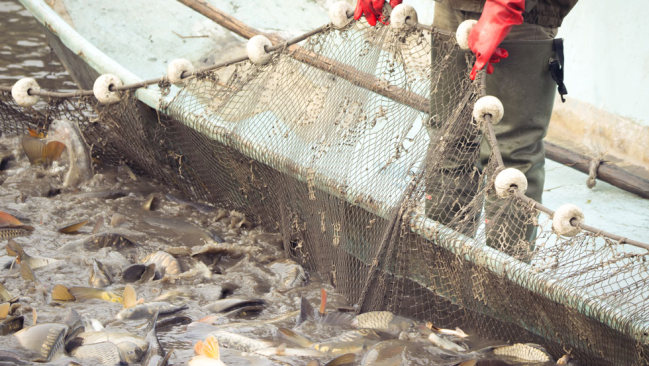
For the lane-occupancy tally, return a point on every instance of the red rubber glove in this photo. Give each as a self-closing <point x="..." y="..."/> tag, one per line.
<point x="494" y="24"/>
<point x="372" y="9"/>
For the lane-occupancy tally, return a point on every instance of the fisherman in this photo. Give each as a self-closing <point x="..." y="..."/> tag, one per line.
<point x="518" y="36"/>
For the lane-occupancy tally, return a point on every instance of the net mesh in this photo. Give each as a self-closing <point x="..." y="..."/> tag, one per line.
<point x="386" y="199"/>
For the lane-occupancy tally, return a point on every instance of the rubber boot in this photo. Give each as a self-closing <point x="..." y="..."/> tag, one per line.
<point x="524" y="85"/>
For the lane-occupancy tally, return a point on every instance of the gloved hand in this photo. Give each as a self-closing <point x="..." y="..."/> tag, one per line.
<point x="372" y="9"/>
<point x="493" y="26"/>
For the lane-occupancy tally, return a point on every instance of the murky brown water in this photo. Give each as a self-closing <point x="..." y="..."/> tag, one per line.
<point x="245" y="262"/>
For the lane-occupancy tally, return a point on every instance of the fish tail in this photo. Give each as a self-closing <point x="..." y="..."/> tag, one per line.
<point x="346" y="359"/>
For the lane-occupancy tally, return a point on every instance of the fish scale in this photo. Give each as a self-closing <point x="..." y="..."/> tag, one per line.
<point x="53" y="344"/>
<point x="11" y="232"/>
<point x="525" y="352"/>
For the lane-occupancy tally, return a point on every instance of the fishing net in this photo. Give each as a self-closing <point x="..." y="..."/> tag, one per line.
<point x="366" y="159"/>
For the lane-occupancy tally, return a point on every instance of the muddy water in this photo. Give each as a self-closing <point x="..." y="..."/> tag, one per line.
<point x="249" y="264"/>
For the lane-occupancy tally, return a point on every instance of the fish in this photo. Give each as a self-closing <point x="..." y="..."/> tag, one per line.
<point x="164" y="262"/>
<point x="232" y="303"/>
<point x="240" y="342"/>
<point x="383" y="321"/>
<point x="445" y="344"/>
<point x="68" y="133"/>
<point x="41" y="152"/>
<point x="146" y="310"/>
<point x="46" y="339"/>
<point x="289" y="273"/>
<point x="102" y="353"/>
<point x="524" y="352"/>
<point x="334" y="318"/>
<point x="151" y="203"/>
<point x="131" y="348"/>
<point x="386" y="353"/>
<point x="61" y="293"/>
<point x="23" y="258"/>
<point x="201" y="207"/>
<point x="207" y="353"/>
<point x="114" y="241"/>
<point x="73" y="228"/>
<point x="87" y="293"/>
<point x="457" y="332"/>
<point x="352" y="341"/>
<point x="99" y="275"/>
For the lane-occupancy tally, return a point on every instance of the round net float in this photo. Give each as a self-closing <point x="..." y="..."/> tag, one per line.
<point x="488" y="106"/>
<point x="403" y="16"/>
<point x="256" y="49"/>
<point x="507" y="179"/>
<point x="21" y="92"/>
<point x="177" y="68"/>
<point x="102" y="89"/>
<point x="563" y="218"/>
<point x="340" y="14"/>
<point x="462" y="33"/>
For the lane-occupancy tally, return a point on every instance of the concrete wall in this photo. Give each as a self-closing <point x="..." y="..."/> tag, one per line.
<point x="607" y="56"/>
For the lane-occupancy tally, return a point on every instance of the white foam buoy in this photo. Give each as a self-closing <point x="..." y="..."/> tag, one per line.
<point x="102" y="88"/>
<point x="563" y="218"/>
<point x="403" y="16"/>
<point x="507" y="179"/>
<point x="462" y="33"/>
<point x="256" y="49"/>
<point x="340" y="14"/>
<point x="488" y="106"/>
<point x="176" y="68"/>
<point x="20" y="91"/>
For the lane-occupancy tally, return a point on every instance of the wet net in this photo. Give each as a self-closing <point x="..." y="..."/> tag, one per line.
<point x="367" y="159"/>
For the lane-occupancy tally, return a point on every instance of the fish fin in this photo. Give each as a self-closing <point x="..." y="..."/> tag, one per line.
<point x="323" y="301"/>
<point x="33" y="133"/>
<point x="460" y="333"/>
<point x="166" y="358"/>
<point x="337" y="318"/>
<point x="26" y="272"/>
<point x="468" y="363"/>
<point x="8" y="220"/>
<point x="346" y="359"/>
<point x="87" y="293"/>
<point x="14" y="249"/>
<point x="52" y="151"/>
<point x="295" y="338"/>
<point x="198" y="347"/>
<point x="74" y="228"/>
<point x="4" y="310"/>
<point x="33" y="148"/>
<point x="211" y="348"/>
<point x="306" y="311"/>
<point x="129" y="296"/>
<point x="61" y="293"/>
<point x="150" y="328"/>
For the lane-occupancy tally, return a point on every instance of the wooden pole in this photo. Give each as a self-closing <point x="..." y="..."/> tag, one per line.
<point x="351" y="74"/>
<point x="607" y="172"/>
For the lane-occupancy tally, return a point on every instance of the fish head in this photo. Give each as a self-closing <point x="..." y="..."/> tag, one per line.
<point x="130" y="352"/>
